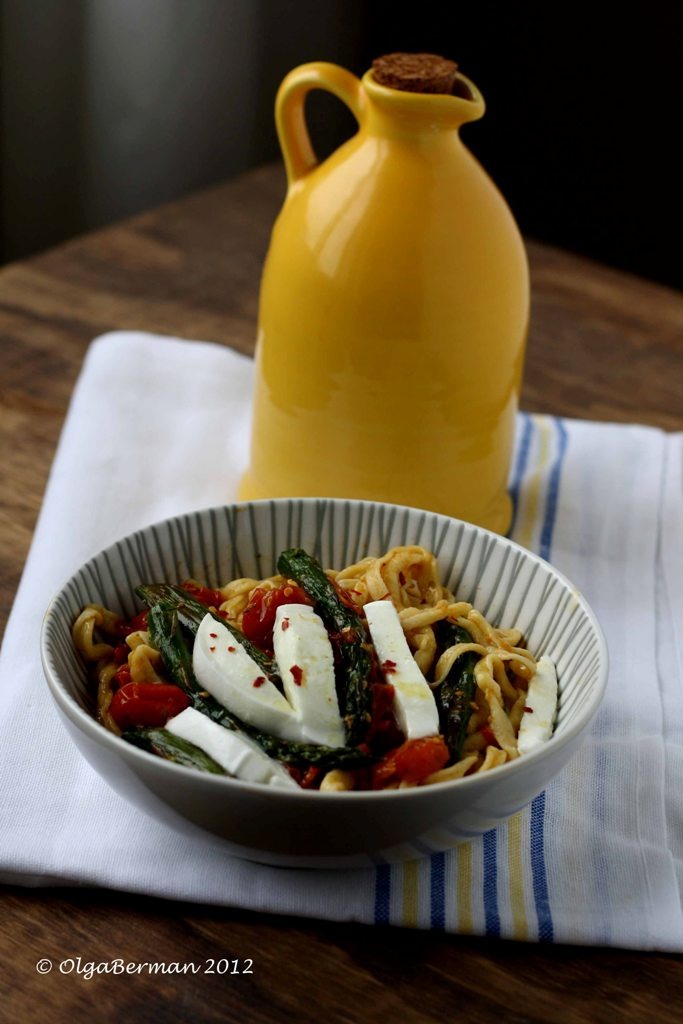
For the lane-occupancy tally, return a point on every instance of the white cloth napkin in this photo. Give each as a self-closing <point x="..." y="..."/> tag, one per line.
<point x="158" y="426"/>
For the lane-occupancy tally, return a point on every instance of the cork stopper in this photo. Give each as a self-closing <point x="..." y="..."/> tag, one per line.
<point x="416" y="72"/>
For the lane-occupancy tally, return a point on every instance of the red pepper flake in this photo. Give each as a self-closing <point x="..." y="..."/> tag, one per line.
<point x="489" y="736"/>
<point x="388" y="666"/>
<point x="297" y="674"/>
<point x="529" y="710"/>
<point x="232" y="650"/>
<point x="121" y="654"/>
<point x="343" y="596"/>
<point x="213" y="647"/>
<point x="285" y="625"/>
<point x="213" y="635"/>
<point x="259" y="681"/>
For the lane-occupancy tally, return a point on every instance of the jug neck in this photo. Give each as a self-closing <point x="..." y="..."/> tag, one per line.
<point x="398" y="114"/>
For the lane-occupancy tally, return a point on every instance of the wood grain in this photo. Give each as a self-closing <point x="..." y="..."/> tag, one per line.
<point x="602" y="345"/>
<point x="307" y="971"/>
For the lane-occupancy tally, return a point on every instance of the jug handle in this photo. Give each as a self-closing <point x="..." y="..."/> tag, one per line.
<point x="290" y="116"/>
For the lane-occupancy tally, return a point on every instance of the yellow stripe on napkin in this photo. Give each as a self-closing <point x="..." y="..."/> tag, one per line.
<point x="528" y="521"/>
<point x="516" y="877"/>
<point x="410" y="893"/>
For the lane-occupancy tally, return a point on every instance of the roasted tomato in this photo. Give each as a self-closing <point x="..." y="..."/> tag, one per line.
<point x="139" y="621"/>
<point x="211" y="598"/>
<point x="383" y="733"/>
<point x="307" y="778"/>
<point x="138" y="704"/>
<point x="122" y="675"/>
<point x="258" y="618"/>
<point x="412" y="762"/>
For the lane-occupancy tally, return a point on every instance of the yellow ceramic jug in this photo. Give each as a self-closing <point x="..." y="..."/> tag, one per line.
<point x="393" y="310"/>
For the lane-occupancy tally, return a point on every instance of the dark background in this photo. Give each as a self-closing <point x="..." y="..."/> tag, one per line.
<point x="581" y="132"/>
<point x="584" y="117"/>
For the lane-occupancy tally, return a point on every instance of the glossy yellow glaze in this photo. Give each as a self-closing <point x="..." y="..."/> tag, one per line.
<point x="393" y="312"/>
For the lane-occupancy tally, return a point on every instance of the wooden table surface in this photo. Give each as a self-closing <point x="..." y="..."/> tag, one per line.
<point x="603" y="345"/>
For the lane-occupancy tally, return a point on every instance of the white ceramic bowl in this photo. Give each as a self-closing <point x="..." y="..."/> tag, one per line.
<point x="307" y="828"/>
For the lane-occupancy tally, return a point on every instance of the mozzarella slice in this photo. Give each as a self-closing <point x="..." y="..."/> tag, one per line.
<point x="238" y="754"/>
<point x="414" y="704"/>
<point x="229" y="673"/>
<point x="304" y="656"/>
<point x="536" y="726"/>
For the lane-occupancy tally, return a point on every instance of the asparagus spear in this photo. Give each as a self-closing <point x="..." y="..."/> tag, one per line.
<point x="455" y="693"/>
<point x="349" y="635"/>
<point x="173" y="748"/>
